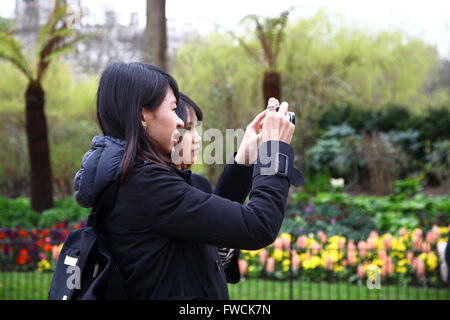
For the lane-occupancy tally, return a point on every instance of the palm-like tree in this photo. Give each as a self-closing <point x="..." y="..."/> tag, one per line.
<point x="55" y="38"/>
<point x="270" y="34"/>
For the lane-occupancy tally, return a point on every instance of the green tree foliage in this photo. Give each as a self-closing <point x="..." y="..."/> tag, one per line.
<point x="70" y="110"/>
<point x="321" y="61"/>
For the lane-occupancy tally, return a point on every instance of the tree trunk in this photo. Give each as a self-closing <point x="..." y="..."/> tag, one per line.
<point x="271" y="86"/>
<point x="38" y="148"/>
<point x="155" y="33"/>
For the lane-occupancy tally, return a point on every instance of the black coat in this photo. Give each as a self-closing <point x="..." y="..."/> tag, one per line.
<point x="164" y="232"/>
<point x="244" y="183"/>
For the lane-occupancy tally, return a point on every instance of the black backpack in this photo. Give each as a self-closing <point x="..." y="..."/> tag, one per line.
<point x="85" y="269"/>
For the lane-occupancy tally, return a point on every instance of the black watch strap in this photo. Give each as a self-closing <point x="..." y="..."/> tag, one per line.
<point x="277" y="157"/>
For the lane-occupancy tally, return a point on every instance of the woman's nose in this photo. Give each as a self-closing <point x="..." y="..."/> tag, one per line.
<point x="180" y="123"/>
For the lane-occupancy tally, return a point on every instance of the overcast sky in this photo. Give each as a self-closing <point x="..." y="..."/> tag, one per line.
<point x="429" y="19"/>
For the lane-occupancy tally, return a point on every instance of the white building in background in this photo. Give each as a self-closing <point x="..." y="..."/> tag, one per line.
<point x="112" y="41"/>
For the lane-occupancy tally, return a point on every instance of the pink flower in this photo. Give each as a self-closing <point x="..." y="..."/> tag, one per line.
<point x="351" y="245"/>
<point x="243" y="267"/>
<point x="351" y="256"/>
<point x="410" y="256"/>
<point x="285" y="243"/>
<point x="360" y="271"/>
<point x="295" y="261"/>
<point x="362" y="247"/>
<point x="329" y="263"/>
<point x="402" y="232"/>
<point x="316" y="248"/>
<point x="301" y="242"/>
<point x="278" y="244"/>
<point x="419" y="266"/>
<point x="417" y="243"/>
<point x="322" y="236"/>
<point x="382" y="254"/>
<point x="388" y="267"/>
<point x="371" y="243"/>
<point x="263" y="256"/>
<point x="270" y="266"/>
<point x="373" y="234"/>
<point x="42" y="256"/>
<point x="426" y="247"/>
<point x="387" y="242"/>
<point x="418" y="232"/>
<point x="341" y="243"/>
<point x="430" y="237"/>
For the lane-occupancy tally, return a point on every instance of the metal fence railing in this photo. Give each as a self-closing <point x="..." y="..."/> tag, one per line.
<point x="289" y="270"/>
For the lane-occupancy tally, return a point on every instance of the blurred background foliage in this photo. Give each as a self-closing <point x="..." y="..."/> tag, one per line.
<point x="365" y="102"/>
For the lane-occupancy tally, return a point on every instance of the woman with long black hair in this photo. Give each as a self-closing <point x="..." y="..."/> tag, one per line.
<point x="239" y="176"/>
<point x="161" y="227"/>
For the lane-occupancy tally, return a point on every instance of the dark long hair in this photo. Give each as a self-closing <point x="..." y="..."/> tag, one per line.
<point x="124" y="89"/>
<point x="187" y="106"/>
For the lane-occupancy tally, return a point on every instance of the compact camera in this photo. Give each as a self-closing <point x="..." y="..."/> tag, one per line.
<point x="290" y="114"/>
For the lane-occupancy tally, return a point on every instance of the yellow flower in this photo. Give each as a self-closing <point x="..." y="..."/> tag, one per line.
<point x="338" y="268"/>
<point x="312" y="262"/>
<point x="333" y="254"/>
<point x="445" y="240"/>
<point x="286" y="263"/>
<point x="371" y="270"/>
<point x="443" y="230"/>
<point x="423" y="256"/>
<point x="401" y="269"/>
<point x="44" y="265"/>
<point x="432" y="261"/>
<point x="287" y="236"/>
<point x="254" y="253"/>
<point x="251" y="268"/>
<point x="278" y="254"/>
<point x="401" y="266"/>
<point x="378" y="262"/>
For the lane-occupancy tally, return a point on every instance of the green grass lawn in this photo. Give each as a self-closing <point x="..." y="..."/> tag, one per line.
<point x="34" y="286"/>
<point x="266" y="289"/>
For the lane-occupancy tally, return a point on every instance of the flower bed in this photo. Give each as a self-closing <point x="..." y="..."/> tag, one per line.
<point x="338" y="213"/>
<point x="27" y="250"/>
<point x="409" y="257"/>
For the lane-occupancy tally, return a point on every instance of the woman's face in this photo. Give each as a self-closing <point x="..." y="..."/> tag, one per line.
<point x="190" y="143"/>
<point x="163" y="123"/>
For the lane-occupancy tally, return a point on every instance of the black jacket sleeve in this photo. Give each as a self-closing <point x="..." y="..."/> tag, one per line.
<point x="172" y="207"/>
<point x="234" y="184"/>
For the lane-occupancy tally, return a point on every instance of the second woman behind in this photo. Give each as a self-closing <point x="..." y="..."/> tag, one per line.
<point x="192" y="115"/>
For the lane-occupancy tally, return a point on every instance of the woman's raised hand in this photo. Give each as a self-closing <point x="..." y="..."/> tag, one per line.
<point x="276" y="125"/>
<point x="267" y="125"/>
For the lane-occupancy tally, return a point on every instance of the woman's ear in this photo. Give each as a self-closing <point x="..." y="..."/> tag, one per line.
<point x="145" y="117"/>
